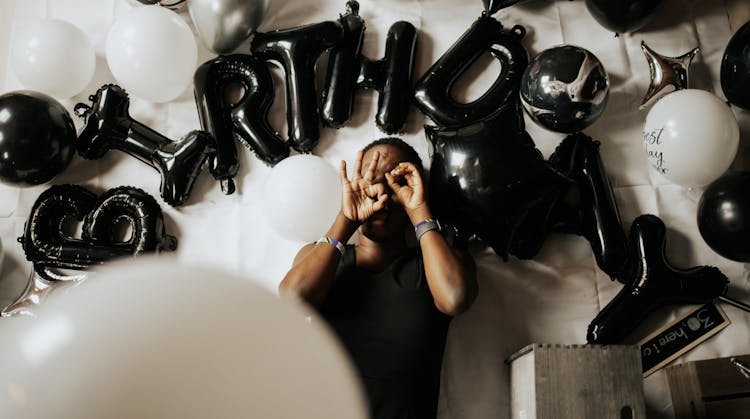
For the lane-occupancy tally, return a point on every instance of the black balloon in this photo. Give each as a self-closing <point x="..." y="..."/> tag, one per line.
<point x="587" y="207"/>
<point x="492" y="6"/>
<point x="433" y="91"/>
<point x="622" y="16"/>
<point x="565" y="88"/>
<point x="297" y="50"/>
<point x="724" y="216"/>
<point x="246" y="120"/>
<point x="391" y="76"/>
<point x="651" y="282"/>
<point x="735" y="68"/>
<point x="109" y="126"/>
<point x="47" y="246"/>
<point x="485" y="177"/>
<point x="37" y="137"/>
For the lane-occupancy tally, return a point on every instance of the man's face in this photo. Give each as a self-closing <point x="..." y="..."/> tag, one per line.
<point x="389" y="223"/>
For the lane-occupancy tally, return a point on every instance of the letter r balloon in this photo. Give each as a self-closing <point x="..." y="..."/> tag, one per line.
<point x="247" y="118"/>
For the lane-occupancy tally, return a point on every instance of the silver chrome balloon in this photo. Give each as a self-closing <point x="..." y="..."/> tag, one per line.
<point x="666" y="72"/>
<point x="565" y="88"/>
<point x="222" y="25"/>
<point x="37" y="289"/>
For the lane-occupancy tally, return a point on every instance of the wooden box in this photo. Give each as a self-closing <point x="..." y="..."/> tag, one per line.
<point x="714" y="388"/>
<point x="576" y="381"/>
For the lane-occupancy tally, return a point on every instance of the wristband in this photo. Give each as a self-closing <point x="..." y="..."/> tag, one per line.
<point x="334" y="242"/>
<point x="424" y="226"/>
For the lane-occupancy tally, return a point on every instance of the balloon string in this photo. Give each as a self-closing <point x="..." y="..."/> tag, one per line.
<point x="735" y="303"/>
<point x="741" y="367"/>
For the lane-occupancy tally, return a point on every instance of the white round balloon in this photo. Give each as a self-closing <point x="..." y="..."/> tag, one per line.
<point x="52" y="57"/>
<point x="150" y="339"/>
<point x="152" y="53"/>
<point x="301" y="197"/>
<point x="691" y="137"/>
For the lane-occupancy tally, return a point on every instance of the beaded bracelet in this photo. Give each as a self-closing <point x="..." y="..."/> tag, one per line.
<point x="334" y="242"/>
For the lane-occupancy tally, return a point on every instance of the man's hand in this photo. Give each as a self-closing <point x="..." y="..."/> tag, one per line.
<point x="406" y="182"/>
<point x="361" y="197"/>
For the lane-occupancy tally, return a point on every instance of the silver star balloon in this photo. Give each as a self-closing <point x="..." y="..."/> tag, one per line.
<point x="666" y="72"/>
<point x="38" y="289"/>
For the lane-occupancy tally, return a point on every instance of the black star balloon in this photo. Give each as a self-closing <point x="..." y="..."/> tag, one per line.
<point x="651" y="281"/>
<point x="588" y="208"/>
<point x="666" y="72"/>
<point x="486" y="176"/>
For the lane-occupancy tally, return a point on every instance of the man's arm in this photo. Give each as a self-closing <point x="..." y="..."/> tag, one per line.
<point x="451" y="273"/>
<point x="315" y="265"/>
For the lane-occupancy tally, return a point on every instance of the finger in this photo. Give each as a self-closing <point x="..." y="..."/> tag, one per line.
<point x="375" y="190"/>
<point x="380" y="203"/>
<point x="392" y="183"/>
<point x="358" y="165"/>
<point x="344" y="177"/>
<point x="413" y="176"/>
<point x="370" y="174"/>
<point x="411" y="180"/>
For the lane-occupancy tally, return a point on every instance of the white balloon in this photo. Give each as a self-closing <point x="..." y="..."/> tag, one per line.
<point x="691" y="137"/>
<point x="53" y="57"/>
<point x="155" y="340"/>
<point x="152" y="53"/>
<point x="301" y="197"/>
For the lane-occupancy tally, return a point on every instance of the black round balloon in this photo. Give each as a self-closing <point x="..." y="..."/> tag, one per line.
<point x="37" y="137"/>
<point x="565" y="88"/>
<point x="623" y="15"/>
<point x="735" y="68"/>
<point x="724" y="216"/>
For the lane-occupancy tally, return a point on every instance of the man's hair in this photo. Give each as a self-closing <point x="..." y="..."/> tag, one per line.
<point x="411" y="154"/>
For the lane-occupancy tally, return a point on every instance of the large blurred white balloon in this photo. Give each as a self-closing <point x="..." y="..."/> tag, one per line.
<point x="691" y="137"/>
<point x="301" y="197"/>
<point x="154" y="340"/>
<point x="53" y="57"/>
<point x="152" y="53"/>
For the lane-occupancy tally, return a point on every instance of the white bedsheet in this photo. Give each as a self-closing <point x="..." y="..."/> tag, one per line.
<point x="548" y="300"/>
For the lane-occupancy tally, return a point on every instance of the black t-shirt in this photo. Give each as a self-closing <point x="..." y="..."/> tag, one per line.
<point x="394" y="333"/>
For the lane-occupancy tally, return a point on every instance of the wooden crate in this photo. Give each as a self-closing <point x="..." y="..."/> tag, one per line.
<point x="714" y="388"/>
<point x="576" y="381"/>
